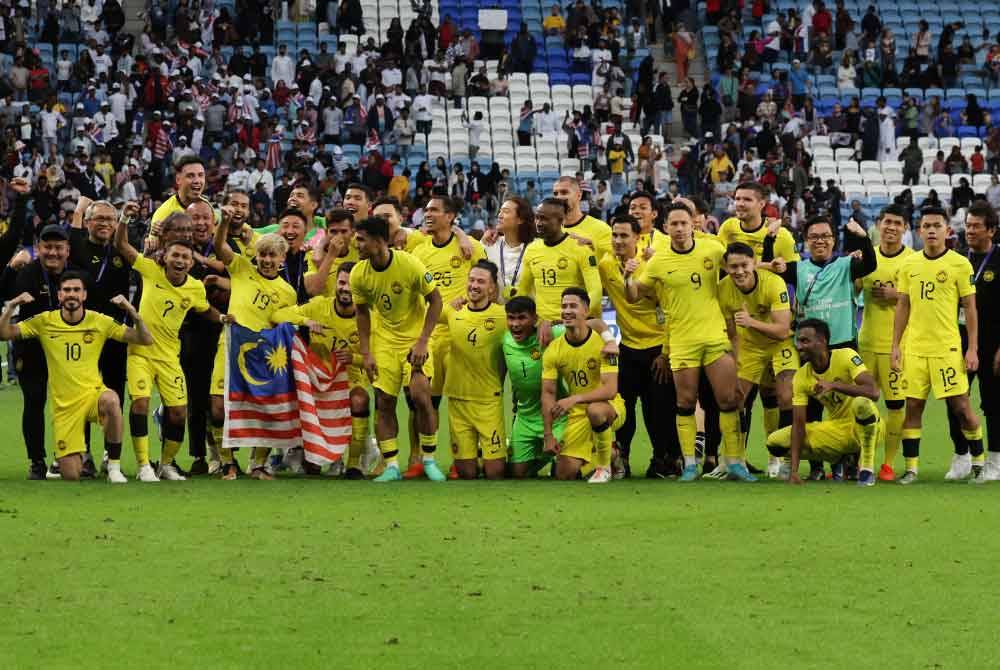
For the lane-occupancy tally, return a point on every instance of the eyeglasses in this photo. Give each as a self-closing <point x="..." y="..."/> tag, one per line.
<point x="819" y="238"/>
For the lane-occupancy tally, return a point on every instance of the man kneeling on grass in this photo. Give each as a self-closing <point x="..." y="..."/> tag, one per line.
<point x="840" y="381"/>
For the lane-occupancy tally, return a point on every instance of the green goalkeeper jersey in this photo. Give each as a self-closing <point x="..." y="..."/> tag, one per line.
<point x="524" y="366"/>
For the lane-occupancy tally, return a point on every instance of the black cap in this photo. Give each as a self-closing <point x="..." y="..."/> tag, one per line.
<point x="53" y="231"/>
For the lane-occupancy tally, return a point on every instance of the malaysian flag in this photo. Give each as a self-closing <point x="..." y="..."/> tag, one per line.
<point x="280" y="394"/>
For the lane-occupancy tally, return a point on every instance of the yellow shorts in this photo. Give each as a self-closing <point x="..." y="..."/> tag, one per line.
<point x="945" y="375"/>
<point x="578" y="438"/>
<point x="439" y="346"/>
<point x="826" y="440"/>
<point x="394" y="370"/>
<point x="356" y="377"/>
<point x="758" y="366"/>
<point x="142" y="373"/>
<point x="697" y="354"/>
<point x="477" y="428"/>
<point x="889" y="381"/>
<point x="69" y="422"/>
<point x="218" y="385"/>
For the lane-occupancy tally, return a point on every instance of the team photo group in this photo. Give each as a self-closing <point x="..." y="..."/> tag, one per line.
<point x="216" y="331"/>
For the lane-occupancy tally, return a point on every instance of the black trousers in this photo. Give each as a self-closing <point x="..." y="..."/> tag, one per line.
<point x="33" y="379"/>
<point x="198" y="345"/>
<point x="659" y="402"/>
<point x="112" y="366"/>
<point x="989" y="402"/>
<point x="713" y="434"/>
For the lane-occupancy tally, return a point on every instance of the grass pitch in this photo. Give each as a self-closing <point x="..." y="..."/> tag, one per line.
<point x="637" y="574"/>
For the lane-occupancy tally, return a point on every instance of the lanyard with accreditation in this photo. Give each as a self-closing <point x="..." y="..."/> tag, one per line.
<point x="975" y="279"/>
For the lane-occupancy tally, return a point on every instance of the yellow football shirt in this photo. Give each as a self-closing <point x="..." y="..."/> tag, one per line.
<point x="845" y="366"/>
<point x="330" y="287"/>
<point x="341" y="331"/>
<point x="640" y="323"/>
<point x="578" y="365"/>
<point x="935" y="287"/>
<point x="732" y="230"/>
<point x="877" y="319"/>
<point x="475" y="352"/>
<point x="414" y="238"/>
<point x="395" y="295"/>
<point x="171" y="205"/>
<point x="72" y="352"/>
<point x="447" y="265"/>
<point x="769" y="295"/>
<point x="595" y="230"/>
<point x="654" y="239"/>
<point x="547" y="270"/>
<point x="164" y="307"/>
<point x="253" y="297"/>
<point x="688" y="288"/>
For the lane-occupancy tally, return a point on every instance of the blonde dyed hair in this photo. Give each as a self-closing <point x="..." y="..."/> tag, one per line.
<point x="272" y="243"/>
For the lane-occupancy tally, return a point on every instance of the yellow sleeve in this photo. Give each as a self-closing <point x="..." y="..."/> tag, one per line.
<point x="425" y="280"/>
<point x="784" y="246"/>
<point x="855" y="366"/>
<point x="550" y="370"/>
<point x="33" y="327"/>
<point x="357" y="296"/>
<point x="112" y="329"/>
<point x="200" y="302"/>
<point x="592" y="280"/>
<point x="903" y="279"/>
<point x="800" y="388"/>
<point x="478" y="251"/>
<point x="609" y="364"/>
<point x="144" y="266"/>
<point x="238" y="266"/>
<point x="966" y="280"/>
<point x="295" y="314"/>
<point x="527" y="280"/>
<point x="446" y="312"/>
<point x="779" y="296"/>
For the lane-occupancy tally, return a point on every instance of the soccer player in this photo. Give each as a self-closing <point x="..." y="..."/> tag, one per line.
<point x="168" y="294"/>
<point x="390" y="288"/>
<point x="189" y="182"/>
<point x="338" y="248"/>
<point x="583" y="225"/>
<point x="255" y="294"/>
<point x="875" y="337"/>
<point x="932" y="286"/>
<point x="980" y="227"/>
<point x="840" y="381"/>
<point x="751" y="227"/>
<point x="593" y="408"/>
<point x="644" y="368"/>
<point x="554" y="262"/>
<point x="475" y="395"/>
<point x="358" y="200"/>
<point x="642" y="207"/>
<point x="758" y="323"/>
<point x="72" y="339"/>
<point x="685" y="279"/>
<point x="339" y="339"/>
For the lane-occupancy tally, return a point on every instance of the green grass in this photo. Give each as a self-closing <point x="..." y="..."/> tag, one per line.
<point x="319" y="573"/>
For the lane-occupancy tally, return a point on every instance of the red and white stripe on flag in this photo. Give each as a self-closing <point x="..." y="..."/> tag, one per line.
<point x="324" y="405"/>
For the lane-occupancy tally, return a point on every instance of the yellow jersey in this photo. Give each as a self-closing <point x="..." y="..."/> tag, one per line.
<point x="447" y="265"/>
<point x="164" y="307"/>
<point x="687" y="284"/>
<point x="170" y="206"/>
<point x="579" y="366"/>
<point x="547" y="270"/>
<point x="330" y="287"/>
<point x="395" y="295"/>
<point x="732" y="230"/>
<point x="654" y="239"/>
<point x="768" y="296"/>
<point x="414" y="238"/>
<point x="341" y="331"/>
<point x="595" y="230"/>
<point x="878" y="315"/>
<point x="935" y="287"/>
<point x="72" y="352"/>
<point x="641" y="324"/>
<point x="253" y="298"/>
<point x="845" y="366"/>
<point x="476" y="352"/>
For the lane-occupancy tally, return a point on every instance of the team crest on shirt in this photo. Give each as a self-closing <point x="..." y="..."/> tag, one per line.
<point x="856" y="360"/>
<point x="942" y="276"/>
<point x="117" y="262"/>
<point x="428" y="277"/>
<point x="535" y="355"/>
<point x="455" y="262"/>
<point x="562" y="263"/>
<point x="490" y="324"/>
<point x="988" y="276"/>
<point x="783" y="297"/>
<point x="708" y="264"/>
<point x="88" y="337"/>
<point x="354" y="338"/>
<point x="397" y="288"/>
<point x="185" y="303"/>
<point x="61" y="445"/>
<point x="592" y="364"/>
<point x="141" y="384"/>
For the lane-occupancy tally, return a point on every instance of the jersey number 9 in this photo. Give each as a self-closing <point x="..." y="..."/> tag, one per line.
<point x="696" y="280"/>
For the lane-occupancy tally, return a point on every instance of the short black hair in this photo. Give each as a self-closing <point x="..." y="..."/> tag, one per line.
<point x="892" y="210"/>
<point x="311" y="188"/>
<point x="361" y="187"/>
<point x="71" y="275"/>
<point x="578" y="292"/>
<point x="449" y="204"/>
<point x="982" y="209"/>
<point x="490" y="267"/>
<point x="738" y="249"/>
<point x="183" y="243"/>
<point x="815" y="221"/>
<point x="190" y="159"/>
<point x="644" y="194"/>
<point x="556" y="202"/>
<point x="628" y="220"/>
<point x="700" y="206"/>
<point x="677" y="207"/>
<point x="388" y="200"/>
<point x="338" y="214"/>
<point x="374" y="226"/>
<point x="759" y="189"/>
<point x="817" y="325"/>
<point x="346" y="266"/>
<point x="296" y="212"/>
<point x="230" y="192"/>
<point x="931" y="210"/>
<point x="521" y="304"/>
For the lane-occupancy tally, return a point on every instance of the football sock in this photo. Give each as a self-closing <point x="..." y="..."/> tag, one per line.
<point x="139" y="428"/>
<point x="687" y="431"/>
<point x="893" y="429"/>
<point x="359" y="434"/>
<point x="784" y="418"/>
<point x="866" y="417"/>
<point x="732" y="440"/>
<point x="390" y="452"/>
<point x="114" y="450"/>
<point x="260" y="456"/>
<point x="603" y="439"/>
<point x="772" y="415"/>
<point x="173" y="438"/>
<point x="974" y="438"/>
<point x="428" y="445"/>
<point x="911" y="448"/>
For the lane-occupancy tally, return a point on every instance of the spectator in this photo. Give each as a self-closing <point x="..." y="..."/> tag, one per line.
<point x="525" y="125"/>
<point x="684" y="51"/>
<point x="912" y="158"/>
<point x="554" y="24"/>
<point x="962" y="195"/>
<point x="688" y="100"/>
<point x="939" y="166"/>
<point x="522" y="51"/>
<point x="956" y="163"/>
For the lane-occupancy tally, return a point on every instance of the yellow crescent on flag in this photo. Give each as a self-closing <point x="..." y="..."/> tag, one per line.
<point x="241" y="361"/>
